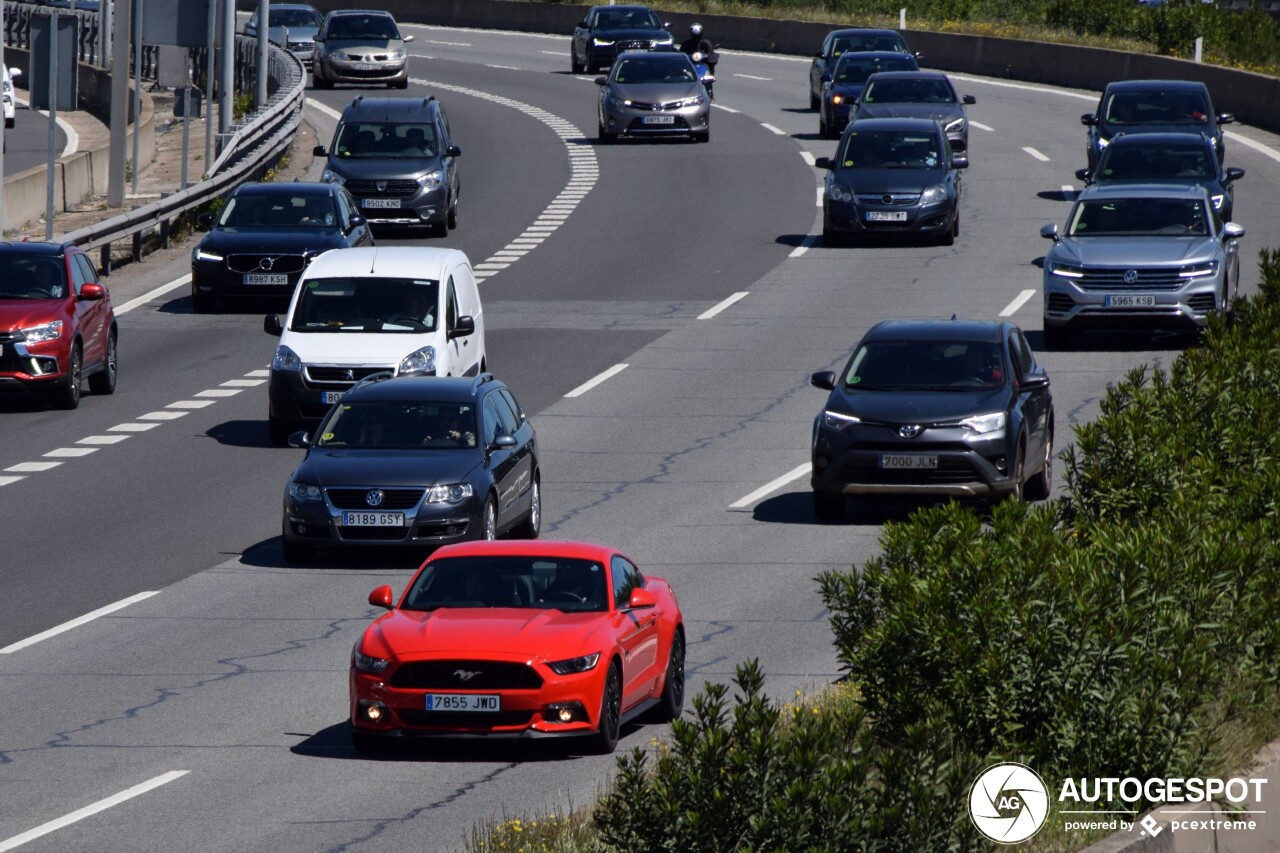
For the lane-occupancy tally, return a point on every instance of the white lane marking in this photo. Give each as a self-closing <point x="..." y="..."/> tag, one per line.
<point x="1067" y="189"/>
<point x="588" y="385"/>
<point x="752" y="77"/>
<point x="1265" y="150"/>
<point x="1025" y="87"/>
<point x="980" y="126"/>
<point x="821" y="190"/>
<point x="449" y="43"/>
<point x="773" y="129"/>
<point x="89" y="811"/>
<point x="243" y="383"/>
<point x="162" y="416"/>
<point x="326" y="109"/>
<point x="77" y="622"/>
<point x="31" y="467"/>
<point x="809" y="241"/>
<point x="219" y="392"/>
<point x="808" y="157"/>
<point x="503" y="67"/>
<point x="159" y="291"/>
<point x="102" y="439"/>
<point x="1012" y="307"/>
<point x="490" y="266"/>
<point x="552" y="52"/>
<point x="1036" y="154"/>
<point x="258" y="373"/>
<point x="5" y="481"/>
<point x="716" y="309"/>
<point x="190" y="404"/>
<point x="69" y="452"/>
<point x="73" y="138"/>
<point x="777" y="56"/>
<point x="770" y="487"/>
<point x="132" y="427"/>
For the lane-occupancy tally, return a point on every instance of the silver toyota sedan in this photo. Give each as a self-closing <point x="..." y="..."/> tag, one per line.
<point x="653" y="94"/>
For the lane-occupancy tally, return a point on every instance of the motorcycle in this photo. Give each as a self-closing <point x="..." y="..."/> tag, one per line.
<point x="705" y="77"/>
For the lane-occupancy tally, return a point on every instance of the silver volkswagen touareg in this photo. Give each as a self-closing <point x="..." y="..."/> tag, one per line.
<point x="1138" y="255"/>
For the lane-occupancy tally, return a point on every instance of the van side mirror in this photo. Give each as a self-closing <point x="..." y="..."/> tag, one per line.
<point x="464" y="326"/>
<point x="271" y="325"/>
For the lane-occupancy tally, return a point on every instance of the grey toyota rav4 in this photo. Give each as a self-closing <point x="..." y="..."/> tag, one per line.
<point x="397" y="157"/>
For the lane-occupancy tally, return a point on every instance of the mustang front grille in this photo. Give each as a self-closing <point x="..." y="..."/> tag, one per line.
<point x="465" y="675"/>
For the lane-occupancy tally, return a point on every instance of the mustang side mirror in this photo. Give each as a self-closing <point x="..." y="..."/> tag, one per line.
<point x="1050" y="232"/>
<point x="641" y="599"/>
<point x="381" y="597"/>
<point x="824" y="379"/>
<point x="465" y="325"/>
<point x="271" y="325"/>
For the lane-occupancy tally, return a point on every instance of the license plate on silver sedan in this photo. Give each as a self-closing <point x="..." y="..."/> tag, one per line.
<point x="1130" y="300"/>
<point x="908" y="461"/>
<point x="658" y="120"/>
<point x="266" y="278"/>
<point x="464" y="702"/>
<point x="380" y="202"/>
<point x="886" y="216"/>
<point x="365" y="66"/>
<point x="372" y="519"/>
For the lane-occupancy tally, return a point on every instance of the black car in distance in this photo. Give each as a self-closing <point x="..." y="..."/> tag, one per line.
<point x="414" y="462"/>
<point x="264" y="237"/>
<point x="608" y="31"/>
<point x="1153" y="106"/>
<point x="839" y="42"/>
<point x="937" y="409"/>
<point x="894" y="176"/>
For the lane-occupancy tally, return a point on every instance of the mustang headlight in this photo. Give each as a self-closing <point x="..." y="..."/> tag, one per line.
<point x="454" y="493"/>
<point x="984" y="424"/>
<point x="206" y="255"/>
<point x="839" y="420"/>
<point x="419" y="361"/>
<point x="934" y="195"/>
<point x="286" y="360"/>
<point x="599" y="42"/>
<point x="836" y="192"/>
<point x="1217" y="201"/>
<point x="955" y="126"/>
<point x="1067" y="270"/>
<point x="585" y="663"/>
<point x="304" y="492"/>
<point x="367" y="663"/>
<point x="43" y="332"/>
<point x="329" y="176"/>
<point x="1199" y="270"/>
<point x="431" y="180"/>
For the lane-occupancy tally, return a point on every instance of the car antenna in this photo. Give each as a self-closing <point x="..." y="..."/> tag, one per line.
<point x="373" y="260"/>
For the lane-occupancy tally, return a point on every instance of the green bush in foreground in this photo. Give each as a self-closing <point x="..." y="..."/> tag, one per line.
<point x="1120" y="632"/>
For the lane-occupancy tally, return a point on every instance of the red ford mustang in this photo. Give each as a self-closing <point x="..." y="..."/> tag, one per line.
<point x="518" y="639"/>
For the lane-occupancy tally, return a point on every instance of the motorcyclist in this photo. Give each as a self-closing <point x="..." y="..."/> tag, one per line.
<point x="696" y="43"/>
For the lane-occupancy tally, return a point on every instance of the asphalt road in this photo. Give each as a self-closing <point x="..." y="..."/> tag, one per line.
<point x="221" y="691"/>
<point x="27" y="142"/>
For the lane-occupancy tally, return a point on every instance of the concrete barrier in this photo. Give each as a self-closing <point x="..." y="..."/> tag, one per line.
<point x="1254" y="98"/>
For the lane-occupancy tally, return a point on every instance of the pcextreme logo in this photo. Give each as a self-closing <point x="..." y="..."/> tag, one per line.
<point x="1009" y="802"/>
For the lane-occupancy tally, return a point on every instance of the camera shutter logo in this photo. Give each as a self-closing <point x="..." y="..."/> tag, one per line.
<point x="1009" y="803"/>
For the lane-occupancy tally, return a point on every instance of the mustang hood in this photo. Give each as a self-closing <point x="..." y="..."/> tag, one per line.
<point x="1133" y="251"/>
<point x="360" y="467"/>
<point x="942" y="112"/>
<point x="899" y="407"/>
<point x="546" y="634"/>
<point x="897" y="181"/>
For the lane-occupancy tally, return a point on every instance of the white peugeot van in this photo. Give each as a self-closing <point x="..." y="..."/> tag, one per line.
<point x="367" y="310"/>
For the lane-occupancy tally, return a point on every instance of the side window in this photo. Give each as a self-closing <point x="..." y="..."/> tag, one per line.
<point x="447" y="136"/>
<point x="506" y="417"/>
<point x="346" y="205"/>
<point x="451" y="306"/>
<point x="491" y="427"/>
<point x="1021" y="354"/>
<point x="515" y="406"/>
<point x="90" y="274"/>
<point x="826" y="47"/>
<point x="78" y="274"/>
<point x="626" y="578"/>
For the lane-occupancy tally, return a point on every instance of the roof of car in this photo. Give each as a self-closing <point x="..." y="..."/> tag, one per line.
<point x="517" y="548"/>
<point x="910" y="75"/>
<point x="286" y="189"/>
<point x="628" y="6"/>
<point x="388" y="109"/>
<point x="958" y="330"/>
<point x="873" y="54"/>
<point x="443" y="389"/>
<point x="25" y="248"/>
<point x="871" y="125"/>
<point x="385" y="262"/>
<point x="1125" y="140"/>
<point x="361" y="12"/>
<point x="1121" y="85"/>
<point x="864" y="31"/>
<point x="1153" y="190"/>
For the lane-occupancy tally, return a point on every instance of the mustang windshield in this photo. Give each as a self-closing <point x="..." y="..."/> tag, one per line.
<point x="262" y="211"/>
<point x="393" y="305"/>
<point x="927" y="90"/>
<point x="390" y="424"/>
<point x="1135" y="108"/>
<point x="1165" y="217"/>
<point x="543" y="583"/>
<point x="925" y="366"/>
<point x="385" y="141"/>
<point x="671" y="69"/>
<point x="889" y="149"/>
<point x="856" y="69"/>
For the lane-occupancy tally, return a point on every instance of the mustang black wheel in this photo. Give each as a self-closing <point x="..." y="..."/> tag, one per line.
<point x="605" y="739"/>
<point x="671" y="703"/>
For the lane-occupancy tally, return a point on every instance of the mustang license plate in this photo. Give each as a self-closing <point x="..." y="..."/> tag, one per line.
<point x="380" y="202"/>
<point x="373" y="519"/>
<point x="266" y="278"/>
<point x="658" y="120"/>
<point x="886" y="216"/>
<point x="908" y="461"/>
<point x="464" y="702"/>
<point x="1130" y="300"/>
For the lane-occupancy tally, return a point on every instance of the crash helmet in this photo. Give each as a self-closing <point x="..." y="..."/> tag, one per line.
<point x="695" y="31"/>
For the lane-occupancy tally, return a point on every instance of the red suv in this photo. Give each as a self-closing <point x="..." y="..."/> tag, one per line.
<point x="56" y="323"/>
